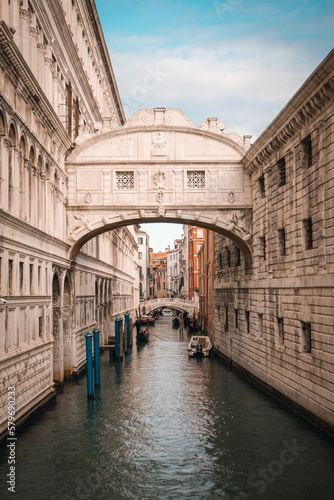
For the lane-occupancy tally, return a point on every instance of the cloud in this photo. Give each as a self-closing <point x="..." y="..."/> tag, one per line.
<point x="244" y="85"/>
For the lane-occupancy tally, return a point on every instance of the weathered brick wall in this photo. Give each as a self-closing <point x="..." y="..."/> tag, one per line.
<point x="280" y="324"/>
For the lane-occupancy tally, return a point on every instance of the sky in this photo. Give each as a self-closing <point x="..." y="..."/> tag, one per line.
<point x="238" y="60"/>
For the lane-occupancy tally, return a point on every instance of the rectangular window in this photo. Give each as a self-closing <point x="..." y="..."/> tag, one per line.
<point x="228" y="257"/>
<point x="226" y="318"/>
<point x="31" y="271"/>
<point x="262" y="189"/>
<point x="238" y="256"/>
<point x="305" y="336"/>
<point x="40" y="326"/>
<point x="259" y="332"/>
<point x="308" y="233"/>
<point x="124" y="180"/>
<point x="10" y="276"/>
<point x="39" y="279"/>
<point x="236" y="318"/>
<point x="140" y="241"/>
<point x="280" y="331"/>
<point x="281" y="241"/>
<point x="196" y="179"/>
<point x="281" y="172"/>
<point x="262" y="247"/>
<point x="220" y="261"/>
<point x="21" y="277"/>
<point x="140" y="255"/>
<point x="247" y="318"/>
<point x="307" y="152"/>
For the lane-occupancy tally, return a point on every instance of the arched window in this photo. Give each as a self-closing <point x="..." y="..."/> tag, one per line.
<point x="23" y="193"/>
<point x="32" y="194"/>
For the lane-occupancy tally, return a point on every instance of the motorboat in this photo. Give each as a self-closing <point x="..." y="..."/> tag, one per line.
<point x="167" y="312"/>
<point x="147" y="319"/>
<point x="199" y="345"/>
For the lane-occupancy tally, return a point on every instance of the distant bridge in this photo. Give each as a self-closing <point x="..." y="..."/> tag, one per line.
<point x="176" y="303"/>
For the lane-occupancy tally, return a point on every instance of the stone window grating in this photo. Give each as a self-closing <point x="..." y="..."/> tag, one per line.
<point x="262" y="188"/>
<point x="281" y="241"/>
<point x="307" y="150"/>
<point x="308" y="233"/>
<point x="124" y="180"/>
<point x="305" y="336"/>
<point x="280" y="331"/>
<point x="281" y="172"/>
<point x="196" y="179"/>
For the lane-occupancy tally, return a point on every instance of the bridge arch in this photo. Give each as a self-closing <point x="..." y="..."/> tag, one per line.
<point x="181" y="305"/>
<point x="159" y="167"/>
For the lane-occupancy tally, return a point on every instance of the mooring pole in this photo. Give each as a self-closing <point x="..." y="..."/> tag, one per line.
<point x="127" y="322"/>
<point x="96" y="333"/>
<point x="89" y="360"/>
<point x="117" y="337"/>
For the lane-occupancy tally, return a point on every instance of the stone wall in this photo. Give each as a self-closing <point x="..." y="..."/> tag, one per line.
<point x="275" y="320"/>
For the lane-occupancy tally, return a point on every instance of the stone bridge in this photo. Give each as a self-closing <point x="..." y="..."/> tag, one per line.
<point x="159" y="167"/>
<point x="181" y="305"/>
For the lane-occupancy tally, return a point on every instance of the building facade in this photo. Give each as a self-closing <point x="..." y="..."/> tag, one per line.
<point x="196" y="237"/>
<point x="158" y="271"/>
<point x="274" y="316"/>
<point x="56" y="82"/>
<point x="144" y="264"/>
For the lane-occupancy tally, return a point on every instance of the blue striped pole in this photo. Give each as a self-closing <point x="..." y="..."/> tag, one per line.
<point x="96" y="333"/>
<point x="89" y="360"/>
<point x="117" y="337"/>
<point x="127" y="321"/>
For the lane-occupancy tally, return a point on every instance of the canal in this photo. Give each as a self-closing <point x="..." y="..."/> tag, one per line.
<point x="165" y="426"/>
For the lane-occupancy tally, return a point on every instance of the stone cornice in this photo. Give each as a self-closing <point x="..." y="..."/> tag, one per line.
<point x="20" y="69"/>
<point x="305" y="106"/>
<point x="94" y="18"/>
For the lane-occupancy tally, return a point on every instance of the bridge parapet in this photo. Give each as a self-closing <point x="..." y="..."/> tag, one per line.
<point x="173" y="303"/>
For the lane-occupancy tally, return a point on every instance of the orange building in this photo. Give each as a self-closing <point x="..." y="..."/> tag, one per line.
<point x="196" y="237"/>
<point x="206" y="261"/>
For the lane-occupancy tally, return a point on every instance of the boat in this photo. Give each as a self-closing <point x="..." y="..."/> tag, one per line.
<point x="167" y="312"/>
<point x="193" y="325"/>
<point x="143" y="335"/>
<point x="176" y="322"/>
<point x="199" y="345"/>
<point x="146" y="319"/>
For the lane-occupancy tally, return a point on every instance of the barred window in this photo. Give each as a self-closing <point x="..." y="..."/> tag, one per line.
<point x="196" y="179"/>
<point x="124" y="180"/>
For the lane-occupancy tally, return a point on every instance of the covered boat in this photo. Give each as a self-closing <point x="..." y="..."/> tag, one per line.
<point x="199" y="345"/>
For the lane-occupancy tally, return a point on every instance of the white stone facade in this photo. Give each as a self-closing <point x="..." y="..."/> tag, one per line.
<point x="275" y="318"/>
<point x="56" y="82"/>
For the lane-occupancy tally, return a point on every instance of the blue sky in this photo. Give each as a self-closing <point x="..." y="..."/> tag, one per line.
<point x="239" y="60"/>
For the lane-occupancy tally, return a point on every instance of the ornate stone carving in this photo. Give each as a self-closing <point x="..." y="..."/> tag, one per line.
<point x="160" y="197"/>
<point x="88" y="197"/>
<point x="179" y="213"/>
<point x="159" y="180"/>
<point x="82" y="221"/>
<point x="161" y="211"/>
<point x="142" y="213"/>
<point x="231" y="197"/>
<point x="197" y="215"/>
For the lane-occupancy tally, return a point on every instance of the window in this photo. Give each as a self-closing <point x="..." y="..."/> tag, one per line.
<point x="140" y="255"/>
<point x="236" y="318"/>
<point x="305" y="336"/>
<point x="280" y="331"/>
<point x="307" y="152"/>
<point x="228" y="257"/>
<point x="308" y="233"/>
<point x="10" y="276"/>
<point x="247" y="318"/>
<point x="31" y="271"/>
<point x="21" y="277"/>
<point x="281" y="172"/>
<point x="199" y="233"/>
<point x="259" y="332"/>
<point x="226" y="318"/>
<point x="196" y="179"/>
<point x="238" y="256"/>
<point x="140" y="241"/>
<point x="262" y="247"/>
<point x="40" y="326"/>
<point x="124" y="180"/>
<point x="281" y="241"/>
<point x="261" y="185"/>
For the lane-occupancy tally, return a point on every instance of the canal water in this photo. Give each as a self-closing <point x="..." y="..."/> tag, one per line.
<point x="165" y="426"/>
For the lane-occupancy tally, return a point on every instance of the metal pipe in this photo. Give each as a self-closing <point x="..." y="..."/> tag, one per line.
<point x="89" y="360"/>
<point x="96" y="333"/>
